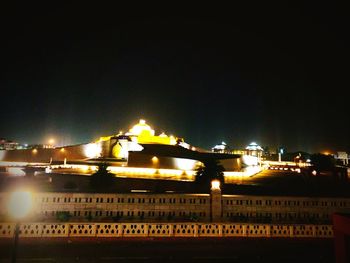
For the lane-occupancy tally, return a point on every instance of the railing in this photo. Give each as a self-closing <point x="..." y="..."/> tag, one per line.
<point x="165" y="230"/>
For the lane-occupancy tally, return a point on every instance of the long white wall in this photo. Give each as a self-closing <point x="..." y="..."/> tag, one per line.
<point x="136" y="207"/>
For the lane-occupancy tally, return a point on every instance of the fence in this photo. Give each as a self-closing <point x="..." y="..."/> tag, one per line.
<point x="165" y="230"/>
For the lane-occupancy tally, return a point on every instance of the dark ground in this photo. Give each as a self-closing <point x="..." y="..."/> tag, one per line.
<point x="171" y="250"/>
<point x="268" y="182"/>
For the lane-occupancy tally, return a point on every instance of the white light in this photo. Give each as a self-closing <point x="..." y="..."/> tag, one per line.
<point x="16" y="171"/>
<point x="215" y="185"/>
<point x="314" y="172"/>
<point x="20" y="204"/>
<point x="254" y="147"/>
<point x="92" y="150"/>
<point x="250" y="160"/>
<point x="185" y="164"/>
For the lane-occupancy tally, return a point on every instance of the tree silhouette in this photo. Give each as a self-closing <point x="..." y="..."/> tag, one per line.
<point x="102" y="180"/>
<point x="323" y="162"/>
<point x="210" y="170"/>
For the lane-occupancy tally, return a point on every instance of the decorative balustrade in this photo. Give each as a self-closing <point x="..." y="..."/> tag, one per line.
<point x="165" y="230"/>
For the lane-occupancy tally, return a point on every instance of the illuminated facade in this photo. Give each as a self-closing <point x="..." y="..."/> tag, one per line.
<point x="141" y="133"/>
<point x="140" y="147"/>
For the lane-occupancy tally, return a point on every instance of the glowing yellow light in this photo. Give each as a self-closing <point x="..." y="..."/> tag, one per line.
<point x="170" y="172"/>
<point x="155" y="159"/>
<point x="142" y="129"/>
<point x="20" y="204"/>
<point x="62" y="150"/>
<point x="215" y="185"/>
<point x="34" y="151"/>
<point x="51" y="141"/>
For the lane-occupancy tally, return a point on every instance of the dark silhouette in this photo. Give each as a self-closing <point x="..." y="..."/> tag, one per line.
<point x="210" y="170"/>
<point x="323" y="162"/>
<point x="102" y="180"/>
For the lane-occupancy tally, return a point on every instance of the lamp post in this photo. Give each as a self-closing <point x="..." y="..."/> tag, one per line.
<point x="19" y="206"/>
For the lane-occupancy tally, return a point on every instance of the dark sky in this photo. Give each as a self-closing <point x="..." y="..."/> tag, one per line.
<point x="277" y="75"/>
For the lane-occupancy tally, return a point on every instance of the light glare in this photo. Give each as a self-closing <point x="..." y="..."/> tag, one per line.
<point x="20" y="204"/>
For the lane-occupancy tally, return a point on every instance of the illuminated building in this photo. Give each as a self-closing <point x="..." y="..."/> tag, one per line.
<point x="343" y="157"/>
<point x="7" y="145"/>
<point x="221" y="148"/>
<point x="140" y="147"/>
<point x="254" y="149"/>
<point x="141" y="133"/>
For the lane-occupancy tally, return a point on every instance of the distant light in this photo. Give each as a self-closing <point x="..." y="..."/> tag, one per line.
<point x="139" y="191"/>
<point x="51" y="141"/>
<point x="34" y="151"/>
<point x="215" y="185"/>
<point x="20" y="204"/>
<point x="155" y="159"/>
<point x="314" y="172"/>
<point x="62" y="150"/>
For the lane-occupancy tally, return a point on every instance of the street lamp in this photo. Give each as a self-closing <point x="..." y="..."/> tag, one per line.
<point x="19" y="206"/>
<point x="215" y="185"/>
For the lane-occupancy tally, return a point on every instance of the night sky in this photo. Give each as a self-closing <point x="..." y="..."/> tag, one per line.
<point x="277" y="75"/>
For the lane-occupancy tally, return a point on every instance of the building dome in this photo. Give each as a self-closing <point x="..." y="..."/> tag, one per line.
<point x="254" y="147"/>
<point x="141" y="127"/>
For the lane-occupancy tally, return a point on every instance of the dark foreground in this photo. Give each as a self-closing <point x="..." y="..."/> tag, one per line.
<point x="170" y="250"/>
